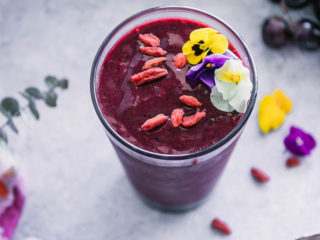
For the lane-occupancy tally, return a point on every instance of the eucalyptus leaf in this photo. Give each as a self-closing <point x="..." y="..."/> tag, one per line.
<point x="33" y="109"/>
<point x="3" y="136"/>
<point x="12" y="126"/>
<point x="34" y="92"/>
<point x="10" y="105"/>
<point x="5" y="113"/>
<point x="51" y="81"/>
<point x="25" y="95"/>
<point x="63" y="84"/>
<point x="51" y="98"/>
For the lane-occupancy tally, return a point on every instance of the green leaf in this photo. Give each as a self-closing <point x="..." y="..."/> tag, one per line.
<point x="63" y="84"/>
<point x="25" y="95"/>
<point x="3" y="136"/>
<point x="51" y="81"/>
<point x="33" y="109"/>
<point x="10" y="106"/>
<point x="51" y="98"/>
<point x="12" y="126"/>
<point x="34" y="92"/>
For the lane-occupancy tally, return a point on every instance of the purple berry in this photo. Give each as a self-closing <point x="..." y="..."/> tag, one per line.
<point x="275" y="32"/>
<point x="296" y="3"/>
<point x="316" y="8"/>
<point x="307" y="34"/>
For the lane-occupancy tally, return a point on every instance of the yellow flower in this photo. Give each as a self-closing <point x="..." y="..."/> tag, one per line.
<point x="203" y="41"/>
<point x="273" y="110"/>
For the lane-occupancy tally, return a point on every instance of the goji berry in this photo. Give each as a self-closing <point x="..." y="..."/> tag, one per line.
<point x="3" y="190"/>
<point x="190" y="101"/>
<point x="180" y="60"/>
<point x="153" y="51"/>
<point x="154" y="122"/>
<point x="153" y="63"/>
<point x="259" y="175"/>
<point x="292" y="162"/>
<point x="221" y="226"/>
<point x="176" y="117"/>
<point x="193" y="119"/>
<point x="148" y="75"/>
<point x="149" y="40"/>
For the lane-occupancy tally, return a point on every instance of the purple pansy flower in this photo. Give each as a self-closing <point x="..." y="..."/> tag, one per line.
<point x="205" y="71"/>
<point x="299" y="142"/>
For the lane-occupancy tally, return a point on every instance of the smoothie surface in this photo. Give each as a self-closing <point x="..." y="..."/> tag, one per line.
<point x="126" y="107"/>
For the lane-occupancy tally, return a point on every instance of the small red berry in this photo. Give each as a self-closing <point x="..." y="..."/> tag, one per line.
<point x="195" y="162"/>
<point x="259" y="175"/>
<point x="221" y="226"/>
<point x="293" y="162"/>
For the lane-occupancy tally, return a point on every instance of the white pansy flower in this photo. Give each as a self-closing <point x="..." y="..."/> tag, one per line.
<point x="233" y="87"/>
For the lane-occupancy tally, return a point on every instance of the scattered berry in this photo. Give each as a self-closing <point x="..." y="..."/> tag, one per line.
<point x="293" y="162"/>
<point x="176" y="117"/>
<point x="180" y="60"/>
<point x="149" y="40"/>
<point x="307" y="34"/>
<point x="275" y="32"/>
<point x="153" y="63"/>
<point x="153" y="51"/>
<point x="316" y="8"/>
<point x="296" y="3"/>
<point x="148" y="75"/>
<point x="195" y="162"/>
<point x="193" y="119"/>
<point x="151" y="123"/>
<point x="221" y="226"/>
<point x="190" y="101"/>
<point x="259" y="175"/>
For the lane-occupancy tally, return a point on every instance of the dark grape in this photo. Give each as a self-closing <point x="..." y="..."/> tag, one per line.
<point x="307" y="34"/>
<point x="275" y="32"/>
<point x="316" y="7"/>
<point x="296" y="3"/>
<point x="275" y="1"/>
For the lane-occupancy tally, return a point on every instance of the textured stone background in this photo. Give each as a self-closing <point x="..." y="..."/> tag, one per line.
<point x="77" y="188"/>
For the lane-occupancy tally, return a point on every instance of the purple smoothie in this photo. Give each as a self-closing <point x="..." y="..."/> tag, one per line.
<point x="126" y="107"/>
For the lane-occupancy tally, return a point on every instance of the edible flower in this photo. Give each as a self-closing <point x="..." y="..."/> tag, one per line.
<point x="233" y="87"/>
<point x="205" y="71"/>
<point x="273" y="110"/>
<point x="299" y="142"/>
<point x="202" y="42"/>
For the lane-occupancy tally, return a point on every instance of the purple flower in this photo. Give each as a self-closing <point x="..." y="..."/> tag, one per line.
<point x="299" y="142"/>
<point x="205" y="71"/>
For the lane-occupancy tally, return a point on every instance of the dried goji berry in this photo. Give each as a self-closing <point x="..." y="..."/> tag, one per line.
<point x="149" y="40"/>
<point x="190" y="101"/>
<point x="180" y="60"/>
<point x="221" y="226"/>
<point x="3" y="190"/>
<point x="259" y="175"/>
<point x="148" y="75"/>
<point x="193" y="119"/>
<point x="153" y="63"/>
<point x="292" y="162"/>
<point x="153" y="51"/>
<point x="176" y="117"/>
<point x="154" y="122"/>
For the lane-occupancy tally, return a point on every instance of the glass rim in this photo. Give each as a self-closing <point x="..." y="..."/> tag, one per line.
<point x="161" y="156"/>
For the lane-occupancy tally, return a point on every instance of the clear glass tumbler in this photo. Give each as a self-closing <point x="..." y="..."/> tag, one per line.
<point x="173" y="182"/>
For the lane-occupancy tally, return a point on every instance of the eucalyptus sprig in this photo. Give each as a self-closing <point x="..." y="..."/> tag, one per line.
<point x="11" y="108"/>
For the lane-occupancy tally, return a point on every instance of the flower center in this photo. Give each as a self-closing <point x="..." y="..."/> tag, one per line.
<point x="197" y="50"/>
<point x="299" y="141"/>
<point x="209" y="65"/>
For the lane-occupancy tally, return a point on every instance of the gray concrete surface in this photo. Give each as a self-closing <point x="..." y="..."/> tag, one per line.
<point x="77" y="188"/>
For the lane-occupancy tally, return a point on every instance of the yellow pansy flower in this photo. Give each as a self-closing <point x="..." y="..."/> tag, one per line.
<point x="273" y="110"/>
<point x="203" y="41"/>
